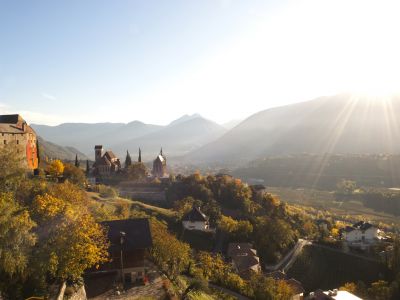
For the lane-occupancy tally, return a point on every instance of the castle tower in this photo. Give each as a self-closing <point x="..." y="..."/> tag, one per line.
<point x="98" y="152"/>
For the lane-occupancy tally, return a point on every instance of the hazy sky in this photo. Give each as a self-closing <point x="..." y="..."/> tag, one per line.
<point x="118" y="61"/>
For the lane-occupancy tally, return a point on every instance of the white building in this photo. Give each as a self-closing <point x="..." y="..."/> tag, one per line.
<point x="361" y="235"/>
<point x="196" y="220"/>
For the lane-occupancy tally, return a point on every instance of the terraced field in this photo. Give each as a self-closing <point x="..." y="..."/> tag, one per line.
<point x="327" y="269"/>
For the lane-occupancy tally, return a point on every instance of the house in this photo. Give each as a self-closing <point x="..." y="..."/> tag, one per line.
<point x="360" y="235"/>
<point x="160" y="165"/>
<point x="195" y="220"/>
<point x="14" y="131"/>
<point x="129" y="241"/>
<point x="322" y="224"/>
<point x="244" y="259"/>
<point x="331" y="295"/>
<point x="105" y="164"/>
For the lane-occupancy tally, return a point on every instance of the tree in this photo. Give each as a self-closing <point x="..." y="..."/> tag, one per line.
<point x="70" y="240"/>
<point x="11" y="167"/>
<point x="137" y="172"/>
<point x="74" y="174"/>
<point x="170" y="254"/>
<point x="55" y="168"/>
<point x="346" y="187"/>
<point x="128" y="160"/>
<point x="379" y="290"/>
<point x="77" y="163"/>
<point x="16" y="236"/>
<point x="87" y="167"/>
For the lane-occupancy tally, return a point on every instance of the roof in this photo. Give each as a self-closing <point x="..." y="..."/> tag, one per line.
<point x="14" y="124"/>
<point x="161" y="158"/>
<point x="359" y="226"/>
<point x="110" y="155"/>
<point x="333" y="295"/>
<point x="296" y="286"/>
<point x="11" y="119"/>
<point x="137" y="234"/>
<point x="195" y="215"/>
<point x="243" y="263"/>
<point x="235" y="249"/>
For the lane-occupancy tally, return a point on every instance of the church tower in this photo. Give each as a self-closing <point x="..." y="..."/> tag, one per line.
<point x="98" y="152"/>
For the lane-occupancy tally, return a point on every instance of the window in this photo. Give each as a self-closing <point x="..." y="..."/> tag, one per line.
<point x="17" y="142"/>
<point x="5" y="142"/>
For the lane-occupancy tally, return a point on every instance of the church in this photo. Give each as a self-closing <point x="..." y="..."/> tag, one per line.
<point x="15" y="131"/>
<point x="160" y="165"/>
<point x="105" y="164"/>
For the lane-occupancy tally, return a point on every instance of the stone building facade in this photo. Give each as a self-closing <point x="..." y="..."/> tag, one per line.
<point x="15" y="132"/>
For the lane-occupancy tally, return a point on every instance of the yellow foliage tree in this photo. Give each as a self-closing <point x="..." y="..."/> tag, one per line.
<point x="55" y="168"/>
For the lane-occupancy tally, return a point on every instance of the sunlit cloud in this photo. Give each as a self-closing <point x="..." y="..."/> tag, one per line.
<point x="48" y="96"/>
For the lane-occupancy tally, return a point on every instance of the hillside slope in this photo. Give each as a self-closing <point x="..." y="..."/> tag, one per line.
<point x="51" y="150"/>
<point x="337" y="124"/>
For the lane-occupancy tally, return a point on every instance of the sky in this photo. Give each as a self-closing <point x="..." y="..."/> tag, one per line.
<point x="119" y="61"/>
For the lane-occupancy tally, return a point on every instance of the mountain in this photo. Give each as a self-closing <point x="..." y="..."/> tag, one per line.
<point x="231" y="124"/>
<point x="85" y="136"/>
<point x="337" y="124"/>
<point x="52" y="150"/>
<point x="178" y="138"/>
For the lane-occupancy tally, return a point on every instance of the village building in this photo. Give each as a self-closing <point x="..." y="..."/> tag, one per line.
<point x="360" y="235"/>
<point x="196" y="220"/>
<point x="160" y="165"/>
<point x="105" y="164"/>
<point x="129" y="241"/>
<point x="244" y="259"/>
<point x="330" y="295"/>
<point x="14" y="130"/>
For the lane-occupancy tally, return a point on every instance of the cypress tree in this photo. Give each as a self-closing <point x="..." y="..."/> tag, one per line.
<point x="128" y="160"/>
<point x="87" y="167"/>
<point x="140" y="156"/>
<point x="77" y="164"/>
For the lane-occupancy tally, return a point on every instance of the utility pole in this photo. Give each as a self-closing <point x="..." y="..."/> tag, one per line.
<point x="122" y="240"/>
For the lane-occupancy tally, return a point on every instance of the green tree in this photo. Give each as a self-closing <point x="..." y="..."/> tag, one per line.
<point x="128" y="160"/>
<point x="137" y="172"/>
<point x="77" y="163"/>
<point x="11" y="167"/>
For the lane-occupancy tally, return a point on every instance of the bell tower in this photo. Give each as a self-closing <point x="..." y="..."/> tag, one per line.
<point x="98" y="152"/>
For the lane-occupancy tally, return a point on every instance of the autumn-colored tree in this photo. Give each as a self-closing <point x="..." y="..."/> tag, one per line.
<point x="55" y="168"/>
<point x="379" y="290"/>
<point x="16" y="236"/>
<point x="74" y="174"/>
<point x="184" y="205"/>
<point x="170" y="254"/>
<point x="350" y="287"/>
<point x="70" y="241"/>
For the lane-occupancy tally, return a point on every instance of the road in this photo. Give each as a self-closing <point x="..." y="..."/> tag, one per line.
<point x="289" y="258"/>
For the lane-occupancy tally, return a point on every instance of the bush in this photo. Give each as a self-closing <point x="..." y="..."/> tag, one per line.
<point x="105" y="191"/>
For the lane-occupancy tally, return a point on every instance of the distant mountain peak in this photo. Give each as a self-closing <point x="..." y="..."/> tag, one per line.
<point x="185" y="118"/>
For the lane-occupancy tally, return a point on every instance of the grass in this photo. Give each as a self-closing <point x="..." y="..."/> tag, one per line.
<point x="325" y="201"/>
<point x="326" y="269"/>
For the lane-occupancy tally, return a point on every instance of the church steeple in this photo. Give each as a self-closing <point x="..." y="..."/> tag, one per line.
<point x="140" y="155"/>
<point x="161" y="152"/>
